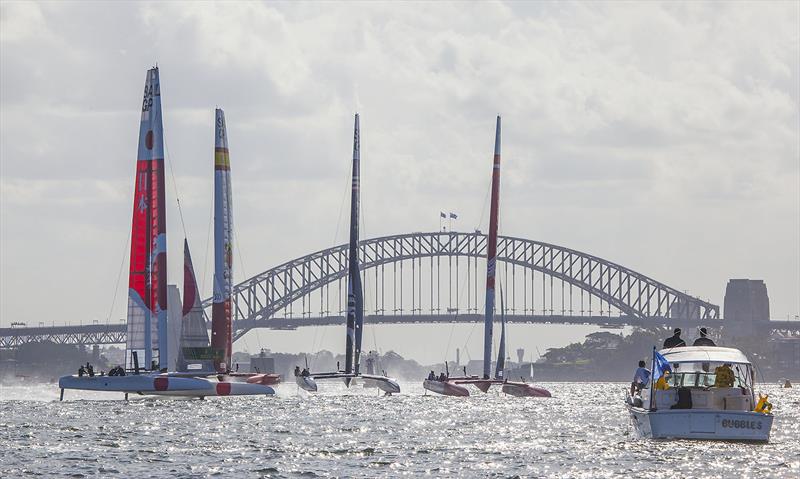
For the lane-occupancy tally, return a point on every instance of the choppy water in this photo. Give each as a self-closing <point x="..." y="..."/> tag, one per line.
<point x="581" y="432"/>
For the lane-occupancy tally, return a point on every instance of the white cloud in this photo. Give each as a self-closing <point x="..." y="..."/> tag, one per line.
<point x="662" y="136"/>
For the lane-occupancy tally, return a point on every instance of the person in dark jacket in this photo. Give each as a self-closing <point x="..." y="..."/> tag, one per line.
<point x="703" y="340"/>
<point x="675" y="340"/>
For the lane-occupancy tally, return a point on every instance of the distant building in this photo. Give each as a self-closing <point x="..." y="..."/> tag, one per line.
<point x="746" y="308"/>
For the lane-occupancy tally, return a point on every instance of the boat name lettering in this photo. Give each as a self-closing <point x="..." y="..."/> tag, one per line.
<point x="741" y="424"/>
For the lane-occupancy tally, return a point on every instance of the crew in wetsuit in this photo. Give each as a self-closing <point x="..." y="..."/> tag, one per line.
<point x="442" y="377"/>
<point x="306" y="373"/>
<point x="81" y="371"/>
<point x="703" y="340"/>
<point x="675" y="340"/>
<point x="431" y="376"/>
<point x="297" y="370"/>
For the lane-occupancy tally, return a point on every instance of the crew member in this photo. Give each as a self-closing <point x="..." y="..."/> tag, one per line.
<point x="661" y="384"/>
<point x="675" y="340"/>
<point x="724" y="377"/>
<point x="442" y="377"/>
<point x="703" y="340"/>
<point x="640" y="378"/>
<point x="297" y="370"/>
<point x="81" y="371"/>
<point x="431" y="376"/>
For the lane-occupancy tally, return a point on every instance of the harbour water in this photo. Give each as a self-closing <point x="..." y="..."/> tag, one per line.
<point x="582" y="431"/>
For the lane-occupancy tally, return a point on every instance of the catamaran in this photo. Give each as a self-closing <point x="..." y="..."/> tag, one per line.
<point x="692" y="402"/>
<point x="454" y="386"/>
<point x="147" y="288"/>
<point x="355" y="300"/>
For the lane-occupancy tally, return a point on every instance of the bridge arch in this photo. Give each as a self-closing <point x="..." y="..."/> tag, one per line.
<point x="258" y="298"/>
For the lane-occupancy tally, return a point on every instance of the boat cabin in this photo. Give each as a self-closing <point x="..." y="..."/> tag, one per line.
<point x="694" y="377"/>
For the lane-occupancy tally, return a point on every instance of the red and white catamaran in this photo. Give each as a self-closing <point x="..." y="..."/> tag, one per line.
<point x="147" y="328"/>
<point x="455" y="386"/>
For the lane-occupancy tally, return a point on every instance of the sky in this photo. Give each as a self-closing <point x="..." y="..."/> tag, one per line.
<point x="661" y="136"/>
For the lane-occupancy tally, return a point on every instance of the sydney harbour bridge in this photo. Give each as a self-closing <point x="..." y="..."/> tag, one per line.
<point x="430" y="278"/>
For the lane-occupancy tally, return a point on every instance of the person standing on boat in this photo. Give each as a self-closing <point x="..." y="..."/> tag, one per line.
<point x="703" y="340"/>
<point x="431" y="376"/>
<point x="297" y="370"/>
<point x="675" y="340"/>
<point x="640" y="378"/>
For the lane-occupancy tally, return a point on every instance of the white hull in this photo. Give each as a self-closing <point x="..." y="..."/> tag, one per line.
<point x="222" y="388"/>
<point x="163" y="385"/>
<point x="387" y="385"/>
<point x="701" y="424"/>
<point x="134" y="383"/>
<point x="446" y="388"/>
<point x="306" y="383"/>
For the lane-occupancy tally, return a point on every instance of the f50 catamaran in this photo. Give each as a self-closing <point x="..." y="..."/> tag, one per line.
<point x="453" y="386"/>
<point x="355" y="300"/>
<point x="147" y="288"/>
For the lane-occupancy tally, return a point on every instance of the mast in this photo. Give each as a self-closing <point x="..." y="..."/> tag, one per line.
<point x="223" y="249"/>
<point x="193" y="345"/>
<point x="147" y="280"/>
<point x="355" y="299"/>
<point x="491" y="256"/>
<point x="501" y="351"/>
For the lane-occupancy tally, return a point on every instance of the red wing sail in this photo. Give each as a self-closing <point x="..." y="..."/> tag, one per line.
<point x="147" y="283"/>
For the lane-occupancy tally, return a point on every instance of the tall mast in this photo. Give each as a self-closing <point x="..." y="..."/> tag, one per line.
<point x="147" y="280"/>
<point x="355" y="299"/>
<point x="223" y="249"/>
<point x="491" y="256"/>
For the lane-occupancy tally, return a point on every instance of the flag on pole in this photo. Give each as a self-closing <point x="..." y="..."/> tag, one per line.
<point x="660" y="365"/>
<point x="453" y="216"/>
<point x="442" y="215"/>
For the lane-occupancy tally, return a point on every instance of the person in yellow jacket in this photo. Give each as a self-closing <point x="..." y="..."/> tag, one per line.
<point x="661" y="384"/>
<point x="724" y="377"/>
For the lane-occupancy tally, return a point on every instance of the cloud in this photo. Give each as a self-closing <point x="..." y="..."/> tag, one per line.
<point x="662" y="136"/>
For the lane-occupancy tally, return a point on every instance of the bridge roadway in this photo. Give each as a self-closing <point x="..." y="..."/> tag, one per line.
<point x="115" y="333"/>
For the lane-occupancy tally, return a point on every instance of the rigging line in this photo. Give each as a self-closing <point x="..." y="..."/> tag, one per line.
<point x="341" y="208"/>
<point x="119" y="275"/>
<point x="208" y="245"/>
<point x="174" y="183"/>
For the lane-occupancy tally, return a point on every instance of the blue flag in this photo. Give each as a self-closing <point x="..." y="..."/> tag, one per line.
<point x="660" y="365"/>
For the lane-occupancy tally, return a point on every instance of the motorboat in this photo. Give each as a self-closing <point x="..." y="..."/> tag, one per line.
<point x="693" y="404"/>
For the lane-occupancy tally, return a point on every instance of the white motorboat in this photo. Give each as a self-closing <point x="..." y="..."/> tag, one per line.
<point x="693" y="407"/>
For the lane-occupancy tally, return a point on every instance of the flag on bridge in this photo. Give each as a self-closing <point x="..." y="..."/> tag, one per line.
<point x="453" y="216"/>
<point x="442" y="215"/>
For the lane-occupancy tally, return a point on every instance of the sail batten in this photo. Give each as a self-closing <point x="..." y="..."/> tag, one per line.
<point x="491" y="256"/>
<point x="221" y="334"/>
<point x="147" y="281"/>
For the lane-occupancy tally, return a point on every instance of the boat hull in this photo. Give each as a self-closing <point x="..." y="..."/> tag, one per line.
<point x="387" y="385"/>
<point x="445" y="388"/>
<point x="518" y="389"/>
<point x="701" y="424"/>
<point x="306" y="383"/>
<point x="133" y="383"/>
<point x="222" y="388"/>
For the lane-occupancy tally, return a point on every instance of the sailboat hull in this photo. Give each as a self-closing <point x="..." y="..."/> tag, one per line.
<point x="445" y="388"/>
<point x="133" y="383"/>
<point x="387" y="385"/>
<point x="518" y="389"/>
<point x="222" y="388"/>
<point x="306" y="383"/>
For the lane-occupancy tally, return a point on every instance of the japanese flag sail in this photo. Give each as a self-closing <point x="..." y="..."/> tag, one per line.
<point x="223" y="249"/>
<point x="147" y="281"/>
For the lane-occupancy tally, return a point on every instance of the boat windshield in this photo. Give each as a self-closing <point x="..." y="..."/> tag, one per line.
<point x="702" y="374"/>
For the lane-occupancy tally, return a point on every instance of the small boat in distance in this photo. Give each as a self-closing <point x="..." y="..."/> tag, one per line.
<point x="707" y="392"/>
